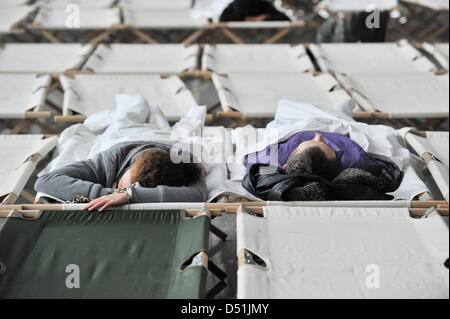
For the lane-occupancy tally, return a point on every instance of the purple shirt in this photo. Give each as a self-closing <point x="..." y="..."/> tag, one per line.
<point x="348" y="153"/>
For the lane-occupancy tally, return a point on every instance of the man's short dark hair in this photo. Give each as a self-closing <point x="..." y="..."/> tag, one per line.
<point x="313" y="161"/>
<point x="155" y="167"/>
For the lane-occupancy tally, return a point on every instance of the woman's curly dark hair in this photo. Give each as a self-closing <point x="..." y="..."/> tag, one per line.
<point x="155" y="167"/>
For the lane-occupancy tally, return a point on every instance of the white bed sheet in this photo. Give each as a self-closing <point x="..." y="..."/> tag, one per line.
<point x="162" y="19"/>
<point x="360" y="5"/>
<point x="432" y="4"/>
<point x="157" y="4"/>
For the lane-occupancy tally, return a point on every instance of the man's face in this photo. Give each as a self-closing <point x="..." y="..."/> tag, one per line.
<point x="317" y="141"/>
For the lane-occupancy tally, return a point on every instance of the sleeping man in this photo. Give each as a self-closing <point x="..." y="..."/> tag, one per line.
<point x="252" y="10"/>
<point x="315" y="165"/>
<point x="129" y="172"/>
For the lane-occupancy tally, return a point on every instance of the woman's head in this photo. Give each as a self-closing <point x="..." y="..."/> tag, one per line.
<point x="314" y="157"/>
<point x="155" y="167"/>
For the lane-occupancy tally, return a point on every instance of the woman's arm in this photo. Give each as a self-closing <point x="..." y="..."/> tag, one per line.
<point x="86" y="178"/>
<point x="195" y="193"/>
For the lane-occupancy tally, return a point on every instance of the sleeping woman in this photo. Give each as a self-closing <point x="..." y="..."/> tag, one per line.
<point x="130" y="172"/>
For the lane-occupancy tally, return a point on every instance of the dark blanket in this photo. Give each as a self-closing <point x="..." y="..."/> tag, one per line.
<point x="351" y="184"/>
<point x="238" y="10"/>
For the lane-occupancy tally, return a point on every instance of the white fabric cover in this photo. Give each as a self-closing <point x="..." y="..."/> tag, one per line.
<point x="43" y="57"/>
<point x="257" y="94"/>
<point x="143" y="58"/>
<point x="89" y="4"/>
<point x="157" y="4"/>
<point x="401" y="95"/>
<point x="275" y="58"/>
<point x="432" y="4"/>
<point x="210" y="9"/>
<point x="330" y="252"/>
<point x="437" y="144"/>
<point x="88" y="94"/>
<point x="15" y="152"/>
<point x="20" y="93"/>
<point x="162" y="19"/>
<point x="10" y="16"/>
<point x="371" y="57"/>
<point x="291" y="118"/>
<point x="90" y="19"/>
<point x="359" y="5"/>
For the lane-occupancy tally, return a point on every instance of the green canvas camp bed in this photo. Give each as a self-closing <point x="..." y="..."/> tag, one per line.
<point x="122" y="254"/>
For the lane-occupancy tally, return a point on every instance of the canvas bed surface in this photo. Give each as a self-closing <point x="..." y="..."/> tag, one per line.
<point x="90" y="19"/>
<point x="88" y="94"/>
<point x="143" y="58"/>
<point x="9" y="16"/>
<point x="374" y="58"/>
<point x="107" y="248"/>
<point x="255" y="95"/>
<point x="20" y="93"/>
<point x="330" y="252"/>
<point x="15" y="152"/>
<point x="360" y="5"/>
<point x="162" y="19"/>
<point x="42" y="57"/>
<point x="404" y="95"/>
<point x="277" y="58"/>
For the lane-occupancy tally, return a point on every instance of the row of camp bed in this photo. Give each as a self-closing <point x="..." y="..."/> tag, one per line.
<point x="285" y="250"/>
<point x="48" y="17"/>
<point x="249" y="80"/>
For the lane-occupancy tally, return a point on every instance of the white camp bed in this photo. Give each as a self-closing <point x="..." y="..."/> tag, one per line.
<point x="20" y="154"/>
<point x="331" y="251"/>
<point x="400" y="95"/>
<point x="90" y="19"/>
<point x="13" y="3"/>
<point x="273" y="58"/>
<point x="371" y="57"/>
<point x="23" y="95"/>
<point x="88" y="94"/>
<point x="11" y="17"/>
<point x="437" y="5"/>
<point x="256" y="95"/>
<point x="42" y="57"/>
<point x="143" y="58"/>
<point x="157" y="4"/>
<point x="440" y="52"/>
<point x="357" y="6"/>
<point x="162" y="19"/>
<point x="88" y="4"/>
<point x="433" y="148"/>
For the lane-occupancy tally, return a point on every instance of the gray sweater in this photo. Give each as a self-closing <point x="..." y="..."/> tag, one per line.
<point x="95" y="177"/>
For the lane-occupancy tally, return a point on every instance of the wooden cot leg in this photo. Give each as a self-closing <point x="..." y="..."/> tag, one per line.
<point x="217" y="289"/>
<point x="216" y="271"/>
<point x="194" y="36"/>
<point x="50" y="37"/>
<point x="219" y="233"/>
<point x="277" y="37"/>
<point x="233" y="37"/>
<point x="28" y="196"/>
<point x="144" y="37"/>
<point x="20" y="127"/>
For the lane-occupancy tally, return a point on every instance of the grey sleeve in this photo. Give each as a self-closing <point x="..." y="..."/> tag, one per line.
<point x="195" y="193"/>
<point x="86" y="178"/>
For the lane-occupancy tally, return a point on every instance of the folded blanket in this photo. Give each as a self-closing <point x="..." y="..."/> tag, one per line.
<point x="351" y="184"/>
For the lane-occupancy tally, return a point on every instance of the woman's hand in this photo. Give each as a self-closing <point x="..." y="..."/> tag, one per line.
<point x="106" y="201"/>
